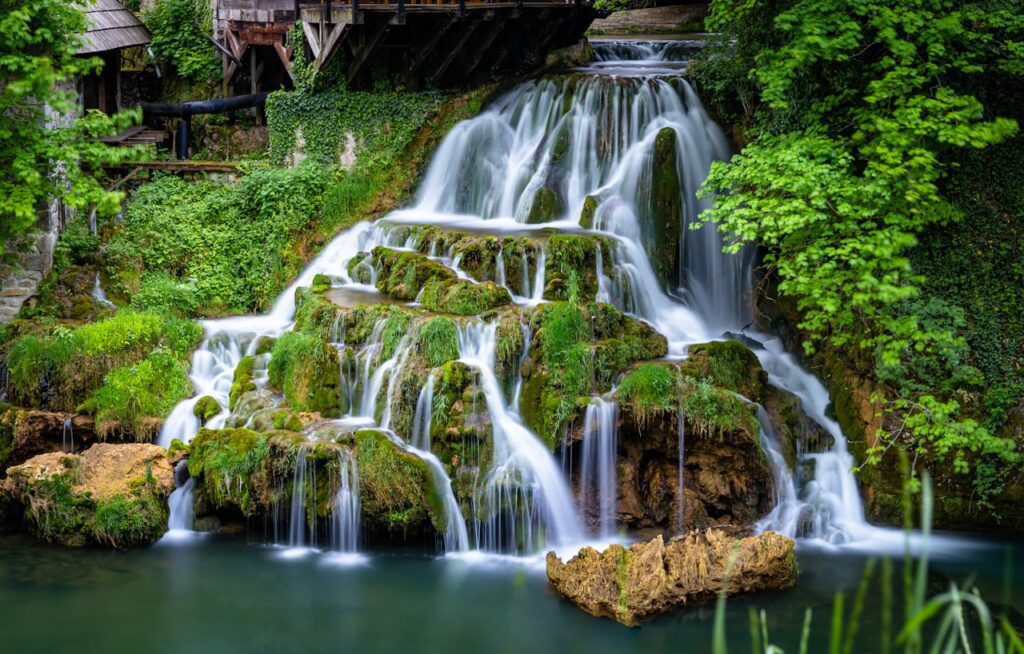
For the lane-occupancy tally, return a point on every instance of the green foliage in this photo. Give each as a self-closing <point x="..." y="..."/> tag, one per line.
<point x="438" y="341"/>
<point x="858" y="113"/>
<point x="37" y="62"/>
<point x="242" y="382"/>
<point x="306" y="370"/>
<point x="126" y="521"/>
<point x="712" y="410"/>
<point x="151" y="387"/>
<point x="62" y="369"/>
<point x="181" y="37"/>
<point x="191" y="246"/>
<point x="566" y="353"/>
<point x="206" y="407"/>
<point x="649" y="390"/>
<point x="396" y="490"/>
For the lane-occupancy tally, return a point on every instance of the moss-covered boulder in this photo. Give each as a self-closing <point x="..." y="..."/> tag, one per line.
<point x="396" y="489"/>
<point x="546" y="206"/>
<point x="402" y="275"/>
<point x="463" y="297"/>
<point x="578" y="349"/>
<point x="661" y="226"/>
<point x="306" y="370"/>
<point x="588" y="212"/>
<point x="572" y="266"/>
<point x="109" y="494"/>
<point x="728" y="364"/>
<point x="206" y="407"/>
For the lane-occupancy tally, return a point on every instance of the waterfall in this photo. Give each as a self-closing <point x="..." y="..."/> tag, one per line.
<point x="67" y="434"/>
<point x="302" y="516"/>
<point x="99" y="295"/>
<point x="180" y="502"/>
<point x="345" y="511"/>
<point x="590" y="134"/>
<point x="598" y="486"/>
<point x="524" y="475"/>
<point x="785" y="515"/>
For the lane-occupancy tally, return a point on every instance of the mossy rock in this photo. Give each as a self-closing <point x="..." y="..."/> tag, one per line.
<point x="587" y="214"/>
<point x="662" y="227"/>
<point x="243" y="381"/>
<point x="438" y="341"/>
<point x="114" y="495"/>
<point x="305" y="369"/>
<point x="572" y="267"/>
<point x="464" y="297"/>
<point x="402" y="274"/>
<point x="728" y="364"/>
<point x="206" y="407"/>
<point x="396" y="489"/>
<point x="546" y="206"/>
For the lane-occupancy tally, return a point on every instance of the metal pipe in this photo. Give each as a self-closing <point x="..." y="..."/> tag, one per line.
<point x="184" y="139"/>
<point x="212" y="106"/>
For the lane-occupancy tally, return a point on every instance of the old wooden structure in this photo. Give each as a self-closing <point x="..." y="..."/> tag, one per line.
<point x="112" y="29"/>
<point x="416" y="42"/>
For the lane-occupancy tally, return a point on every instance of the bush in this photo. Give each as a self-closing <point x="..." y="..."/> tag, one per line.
<point x="151" y="387"/>
<point x="180" y="29"/>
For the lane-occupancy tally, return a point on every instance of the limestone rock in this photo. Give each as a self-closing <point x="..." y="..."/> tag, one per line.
<point x="108" y="495"/>
<point x="651" y="578"/>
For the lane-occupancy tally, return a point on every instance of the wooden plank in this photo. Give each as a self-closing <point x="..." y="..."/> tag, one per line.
<point x="312" y="40"/>
<point x="484" y="46"/>
<point x="330" y="45"/>
<point x="427" y="49"/>
<point x="285" y="55"/>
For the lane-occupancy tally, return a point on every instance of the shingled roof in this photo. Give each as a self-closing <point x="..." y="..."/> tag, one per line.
<point x="112" y="27"/>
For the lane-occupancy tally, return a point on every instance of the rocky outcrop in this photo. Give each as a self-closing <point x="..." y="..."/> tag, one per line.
<point x="109" y="494"/>
<point x="25" y="433"/>
<point x="650" y="579"/>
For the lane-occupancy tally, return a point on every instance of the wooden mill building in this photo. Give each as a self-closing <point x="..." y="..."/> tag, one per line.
<point x="415" y="42"/>
<point x="112" y="29"/>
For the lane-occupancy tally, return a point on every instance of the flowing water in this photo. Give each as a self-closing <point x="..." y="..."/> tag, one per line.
<point x="588" y="135"/>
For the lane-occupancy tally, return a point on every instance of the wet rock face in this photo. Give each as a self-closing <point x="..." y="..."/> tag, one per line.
<point x="25" y="433"/>
<point x="110" y="494"/>
<point x="651" y="578"/>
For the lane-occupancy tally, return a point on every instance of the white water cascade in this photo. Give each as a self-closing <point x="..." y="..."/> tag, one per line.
<point x="67" y="437"/>
<point x="598" y="489"/>
<point x="181" y="515"/>
<point x="345" y="513"/>
<point x="591" y="135"/>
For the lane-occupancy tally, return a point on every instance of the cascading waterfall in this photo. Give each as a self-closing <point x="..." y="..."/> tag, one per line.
<point x="591" y="135"/>
<point x="524" y="475"/>
<point x="180" y="502"/>
<point x="67" y="435"/>
<point x="598" y="489"/>
<point x="302" y="526"/>
<point x="345" y="511"/>
<point x="99" y="295"/>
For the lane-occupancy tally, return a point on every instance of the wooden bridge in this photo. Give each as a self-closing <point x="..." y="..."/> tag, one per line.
<point x="418" y="43"/>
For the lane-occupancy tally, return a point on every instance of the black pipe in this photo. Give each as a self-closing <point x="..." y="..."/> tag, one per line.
<point x="183" y="141"/>
<point x="212" y="106"/>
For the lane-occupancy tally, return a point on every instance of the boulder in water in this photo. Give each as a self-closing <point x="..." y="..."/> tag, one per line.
<point x="545" y="208"/>
<point x="110" y="494"/>
<point x="663" y="228"/>
<point x="651" y="578"/>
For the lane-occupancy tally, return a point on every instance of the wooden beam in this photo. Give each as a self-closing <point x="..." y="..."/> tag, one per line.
<point x="456" y="48"/>
<point x="311" y="39"/>
<point x="367" y="49"/>
<point x="330" y="45"/>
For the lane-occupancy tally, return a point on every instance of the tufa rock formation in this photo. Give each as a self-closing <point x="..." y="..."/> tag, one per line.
<point x="650" y="579"/>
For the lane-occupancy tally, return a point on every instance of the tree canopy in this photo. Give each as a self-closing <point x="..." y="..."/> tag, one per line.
<point x="45" y="150"/>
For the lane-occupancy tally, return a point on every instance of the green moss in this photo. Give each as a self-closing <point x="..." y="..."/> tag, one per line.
<point x="587" y="214"/>
<point x="8" y="420"/>
<point x="176" y="446"/>
<point x="54" y="512"/>
<point x="306" y="370"/>
<point x="243" y="382"/>
<point x="510" y="344"/>
<point x="546" y="206"/>
<point x="710" y="410"/>
<point x="127" y="521"/>
<point x="438" y="341"/>
<point x="206" y="407"/>
<point x="396" y="488"/>
<point x="650" y="389"/>
<point x="239" y="467"/>
<point x="571" y="267"/>
<point x="402" y="274"/>
<point x="396" y="328"/>
<point x="729" y="364"/>
<point x="661" y="233"/>
<point x="321" y="283"/>
<point x="463" y="297"/>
